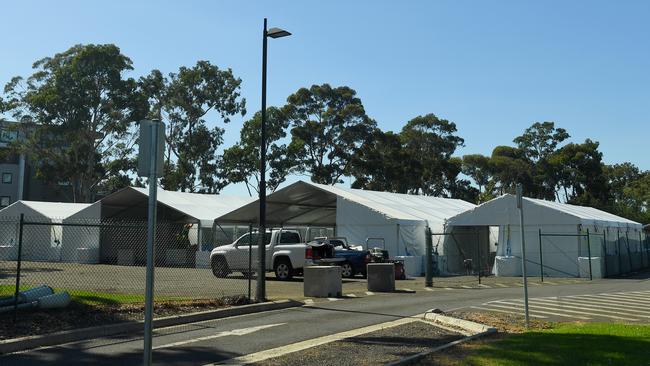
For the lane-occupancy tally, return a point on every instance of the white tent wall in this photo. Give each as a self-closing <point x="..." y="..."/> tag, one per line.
<point x="559" y="253"/>
<point x="39" y="243"/>
<point x="357" y="223"/>
<point x="80" y="244"/>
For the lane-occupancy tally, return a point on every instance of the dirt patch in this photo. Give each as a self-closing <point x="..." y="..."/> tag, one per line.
<point x="506" y="325"/>
<point x="375" y="348"/>
<point x="78" y="315"/>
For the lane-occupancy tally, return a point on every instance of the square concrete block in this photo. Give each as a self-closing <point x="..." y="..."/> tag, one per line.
<point x="322" y="281"/>
<point x="381" y="277"/>
<point x="596" y="267"/>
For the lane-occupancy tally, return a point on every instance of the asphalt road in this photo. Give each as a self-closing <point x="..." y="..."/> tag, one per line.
<point x="217" y="340"/>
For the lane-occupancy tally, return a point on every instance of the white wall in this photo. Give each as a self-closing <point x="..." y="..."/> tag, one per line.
<point x="81" y="243"/>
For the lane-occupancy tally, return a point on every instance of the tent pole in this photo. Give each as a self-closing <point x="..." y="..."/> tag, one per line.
<point x="428" y="282"/>
<point x="627" y="245"/>
<point x="618" y="247"/>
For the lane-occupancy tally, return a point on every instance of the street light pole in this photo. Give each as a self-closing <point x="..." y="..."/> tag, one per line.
<point x="261" y="243"/>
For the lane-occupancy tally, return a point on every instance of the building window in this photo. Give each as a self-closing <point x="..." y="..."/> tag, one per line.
<point x="7" y="178"/>
<point x="5" y="201"/>
<point x="8" y="135"/>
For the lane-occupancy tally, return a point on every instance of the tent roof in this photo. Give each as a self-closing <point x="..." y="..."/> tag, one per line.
<point x="202" y="207"/>
<point x="502" y="211"/>
<point x="306" y="203"/>
<point x="51" y="210"/>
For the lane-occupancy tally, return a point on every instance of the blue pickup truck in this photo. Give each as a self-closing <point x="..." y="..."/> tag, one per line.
<point x="356" y="258"/>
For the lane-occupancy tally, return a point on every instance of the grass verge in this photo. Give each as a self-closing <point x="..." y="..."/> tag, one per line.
<point x="551" y="344"/>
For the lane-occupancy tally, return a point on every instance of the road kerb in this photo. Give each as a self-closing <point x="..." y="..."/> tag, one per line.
<point x="53" y="339"/>
<point x="475" y="330"/>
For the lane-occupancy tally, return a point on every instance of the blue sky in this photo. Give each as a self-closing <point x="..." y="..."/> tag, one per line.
<point x="493" y="67"/>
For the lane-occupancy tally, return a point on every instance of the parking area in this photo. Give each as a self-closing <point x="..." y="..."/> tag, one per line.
<point x="631" y="306"/>
<point x="199" y="283"/>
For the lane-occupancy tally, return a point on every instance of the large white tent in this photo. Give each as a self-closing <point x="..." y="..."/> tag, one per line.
<point x="40" y="242"/>
<point x="556" y="236"/>
<point x="399" y="219"/>
<point x="195" y="209"/>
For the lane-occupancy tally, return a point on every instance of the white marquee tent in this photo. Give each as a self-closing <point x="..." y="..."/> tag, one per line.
<point x="616" y="243"/>
<point x="199" y="210"/>
<point x="400" y="219"/>
<point x="40" y="242"/>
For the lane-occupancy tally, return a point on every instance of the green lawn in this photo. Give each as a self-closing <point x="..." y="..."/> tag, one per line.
<point x="94" y="298"/>
<point x="570" y="344"/>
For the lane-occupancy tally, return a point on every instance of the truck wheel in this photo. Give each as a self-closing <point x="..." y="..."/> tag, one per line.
<point x="283" y="269"/>
<point x="220" y="267"/>
<point x="346" y="270"/>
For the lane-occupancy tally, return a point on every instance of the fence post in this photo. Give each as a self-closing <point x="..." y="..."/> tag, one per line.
<point x="18" y="263"/>
<point x="606" y="274"/>
<point x="250" y="261"/>
<point x="629" y="254"/>
<point x="591" y="277"/>
<point x="478" y="247"/>
<point x="428" y="282"/>
<point x="541" y="259"/>
<point x="618" y="247"/>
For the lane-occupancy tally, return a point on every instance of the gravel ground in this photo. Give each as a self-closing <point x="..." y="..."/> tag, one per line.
<point x="374" y="348"/>
<point x="78" y="316"/>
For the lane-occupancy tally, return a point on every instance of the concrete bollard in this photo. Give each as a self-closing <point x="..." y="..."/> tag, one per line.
<point x="381" y="277"/>
<point x="322" y="281"/>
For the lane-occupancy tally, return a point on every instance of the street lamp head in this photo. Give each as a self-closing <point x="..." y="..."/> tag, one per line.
<point x="277" y="33"/>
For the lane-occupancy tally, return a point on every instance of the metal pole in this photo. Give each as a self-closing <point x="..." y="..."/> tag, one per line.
<point x="591" y="276"/>
<point x="520" y="205"/>
<point x="250" y="259"/>
<point x="428" y="268"/>
<point x="261" y="248"/>
<point x="618" y="247"/>
<point x="478" y="247"/>
<point x="151" y="237"/>
<point x="629" y="254"/>
<point x="18" y="264"/>
<point x="605" y="252"/>
<point x="640" y="246"/>
<point x="541" y="259"/>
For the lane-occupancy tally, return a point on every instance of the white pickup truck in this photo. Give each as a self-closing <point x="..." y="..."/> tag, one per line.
<point x="286" y="255"/>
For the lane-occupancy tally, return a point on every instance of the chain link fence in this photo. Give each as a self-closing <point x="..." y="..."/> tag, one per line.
<point x="101" y="265"/>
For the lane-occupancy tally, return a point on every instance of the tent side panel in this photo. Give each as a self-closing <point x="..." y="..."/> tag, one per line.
<point x="81" y="243"/>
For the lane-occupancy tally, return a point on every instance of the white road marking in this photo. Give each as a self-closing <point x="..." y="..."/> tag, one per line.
<point x="448" y="288"/>
<point x="559" y="308"/>
<point x="550" y="283"/>
<point x="309" y="301"/>
<point x="595" y="308"/>
<point x="637" y="297"/>
<point x="428" y="289"/>
<point x="369" y="293"/>
<point x="507" y="312"/>
<point x="464" y="286"/>
<point x="618" y="298"/>
<point x="501" y="285"/>
<point x="407" y="289"/>
<point x="234" y="332"/>
<point x="611" y="303"/>
<point x="484" y="286"/>
<point x="299" y="346"/>
<point x="351" y="295"/>
<point x="334" y="298"/>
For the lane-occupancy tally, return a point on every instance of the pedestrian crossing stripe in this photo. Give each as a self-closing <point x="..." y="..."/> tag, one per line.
<point x="622" y="306"/>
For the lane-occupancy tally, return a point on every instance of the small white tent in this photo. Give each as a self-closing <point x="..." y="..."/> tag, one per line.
<point x="40" y="242"/>
<point x="615" y="243"/>
<point x="399" y="219"/>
